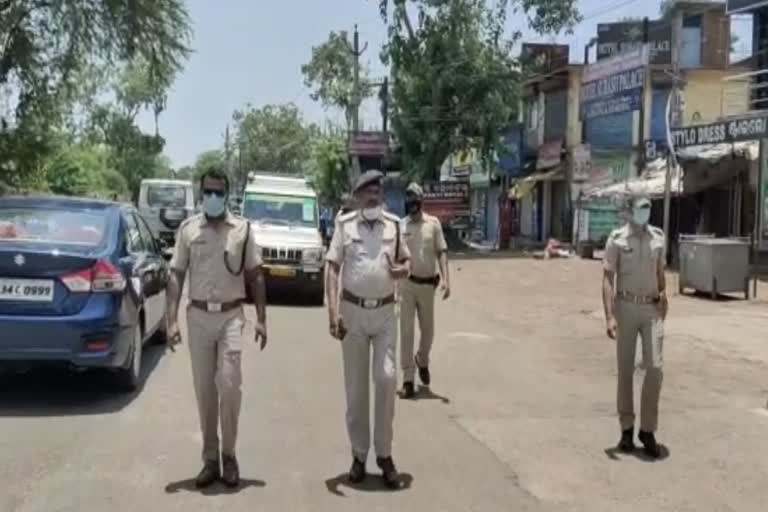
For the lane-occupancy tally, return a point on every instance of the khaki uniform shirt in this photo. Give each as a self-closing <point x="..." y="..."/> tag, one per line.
<point x="635" y="259"/>
<point x="426" y="242"/>
<point x="201" y="248"/>
<point x="361" y="251"/>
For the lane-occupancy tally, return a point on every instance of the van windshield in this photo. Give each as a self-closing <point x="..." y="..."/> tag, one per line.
<point x="167" y="196"/>
<point x="281" y="209"/>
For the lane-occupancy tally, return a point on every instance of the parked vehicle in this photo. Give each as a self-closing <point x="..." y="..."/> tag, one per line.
<point x="285" y="219"/>
<point x="165" y="204"/>
<point x="82" y="284"/>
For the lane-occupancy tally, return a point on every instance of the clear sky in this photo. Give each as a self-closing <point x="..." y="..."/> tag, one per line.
<point x="251" y="51"/>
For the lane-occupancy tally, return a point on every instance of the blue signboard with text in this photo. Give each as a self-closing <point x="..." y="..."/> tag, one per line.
<point x="511" y="156"/>
<point x="614" y="85"/>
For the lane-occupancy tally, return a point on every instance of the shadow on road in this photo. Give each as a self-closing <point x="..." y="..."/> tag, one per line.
<point x="614" y="453"/>
<point x="58" y="392"/>
<point x="370" y="484"/>
<point x="280" y="297"/>
<point x="217" y="489"/>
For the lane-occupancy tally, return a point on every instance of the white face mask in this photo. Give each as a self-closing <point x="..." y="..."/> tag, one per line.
<point x="371" y="214"/>
<point x="641" y="216"/>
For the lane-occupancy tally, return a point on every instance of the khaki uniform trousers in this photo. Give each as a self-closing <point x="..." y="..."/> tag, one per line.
<point x="416" y="300"/>
<point x="366" y="329"/>
<point x="642" y="319"/>
<point x="215" y="346"/>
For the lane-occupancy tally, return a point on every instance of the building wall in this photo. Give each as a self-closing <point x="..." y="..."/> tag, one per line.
<point x="708" y="97"/>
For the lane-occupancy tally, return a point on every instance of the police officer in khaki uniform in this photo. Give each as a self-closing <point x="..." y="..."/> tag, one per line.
<point x="426" y="243"/>
<point x="210" y="247"/>
<point x="637" y="304"/>
<point x="369" y="253"/>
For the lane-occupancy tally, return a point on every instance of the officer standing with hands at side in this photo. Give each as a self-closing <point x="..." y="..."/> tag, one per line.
<point x="634" y="260"/>
<point x="217" y="250"/>
<point x="426" y="243"/>
<point x="366" y="257"/>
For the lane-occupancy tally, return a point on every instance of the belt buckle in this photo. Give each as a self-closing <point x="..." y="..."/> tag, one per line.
<point x="370" y="303"/>
<point x="213" y="307"/>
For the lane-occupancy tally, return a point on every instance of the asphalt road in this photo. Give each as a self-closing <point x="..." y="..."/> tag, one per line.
<point x="520" y="416"/>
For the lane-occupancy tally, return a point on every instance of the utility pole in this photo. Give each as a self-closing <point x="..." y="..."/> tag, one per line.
<point x="385" y="105"/>
<point x="227" y="153"/>
<point x="357" y="97"/>
<point x="646" y="81"/>
<point x="677" y="33"/>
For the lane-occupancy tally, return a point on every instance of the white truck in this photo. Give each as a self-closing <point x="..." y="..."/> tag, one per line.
<point x="285" y="220"/>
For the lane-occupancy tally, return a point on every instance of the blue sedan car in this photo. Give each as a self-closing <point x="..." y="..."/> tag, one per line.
<point x="82" y="283"/>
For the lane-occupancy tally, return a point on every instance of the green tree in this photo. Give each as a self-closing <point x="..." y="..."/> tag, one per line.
<point x="329" y="170"/>
<point x="273" y="138"/>
<point x="455" y="81"/>
<point x="207" y="160"/>
<point x="330" y="75"/>
<point x="83" y="170"/>
<point x="46" y="45"/>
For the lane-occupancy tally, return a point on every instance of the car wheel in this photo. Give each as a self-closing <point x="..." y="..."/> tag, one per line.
<point x="129" y="378"/>
<point x="159" y="337"/>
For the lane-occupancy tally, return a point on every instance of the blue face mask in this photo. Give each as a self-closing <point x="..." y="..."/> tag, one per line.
<point x="213" y="205"/>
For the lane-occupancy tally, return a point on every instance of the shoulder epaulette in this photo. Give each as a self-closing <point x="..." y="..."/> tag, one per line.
<point x="346" y="217"/>
<point x="186" y="222"/>
<point x="391" y="216"/>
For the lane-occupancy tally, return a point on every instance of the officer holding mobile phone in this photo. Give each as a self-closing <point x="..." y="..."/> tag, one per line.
<point x="367" y="256"/>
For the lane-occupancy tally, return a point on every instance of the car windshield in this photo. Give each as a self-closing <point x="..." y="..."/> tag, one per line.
<point x="167" y="196"/>
<point x="53" y="227"/>
<point x="281" y="209"/>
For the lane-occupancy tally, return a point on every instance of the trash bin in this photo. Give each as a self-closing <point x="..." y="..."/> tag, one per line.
<point x="714" y="265"/>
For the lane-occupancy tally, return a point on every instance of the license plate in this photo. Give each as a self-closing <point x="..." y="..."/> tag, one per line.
<point x="282" y="271"/>
<point x="174" y="214"/>
<point x="26" y="290"/>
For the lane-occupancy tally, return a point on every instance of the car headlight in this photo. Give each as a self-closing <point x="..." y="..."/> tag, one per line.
<point x="312" y="255"/>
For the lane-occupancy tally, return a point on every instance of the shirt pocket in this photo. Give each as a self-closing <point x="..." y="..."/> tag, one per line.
<point x="628" y="258"/>
<point x="388" y="246"/>
<point x="354" y="247"/>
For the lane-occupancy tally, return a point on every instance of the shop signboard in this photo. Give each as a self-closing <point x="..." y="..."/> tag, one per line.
<point x="617" y="38"/>
<point x="543" y="58"/>
<point x="448" y="201"/>
<point x="510" y="156"/>
<point x="614" y="85"/>
<point x="581" y="157"/>
<point x="371" y="144"/>
<point x="722" y="132"/>
<point x="734" y="6"/>
<point x="550" y="155"/>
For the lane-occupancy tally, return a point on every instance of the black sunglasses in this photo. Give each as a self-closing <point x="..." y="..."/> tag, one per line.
<point x="219" y="193"/>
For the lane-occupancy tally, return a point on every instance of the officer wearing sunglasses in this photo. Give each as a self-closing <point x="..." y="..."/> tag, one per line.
<point x="223" y="263"/>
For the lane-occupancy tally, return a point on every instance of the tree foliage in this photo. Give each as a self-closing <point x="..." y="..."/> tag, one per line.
<point x="48" y="47"/>
<point x="273" y="138"/>
<point x="330" y="75"/>
<point x="455" y="81"/>
<point x="329" y="170"/>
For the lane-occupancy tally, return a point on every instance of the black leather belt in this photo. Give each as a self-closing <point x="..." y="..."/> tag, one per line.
<point x="367" y="303"/>
<point x="433" y="281"/>
<point x="216" y="307"/>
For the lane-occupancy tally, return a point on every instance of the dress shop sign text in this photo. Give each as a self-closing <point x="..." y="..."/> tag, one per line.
<point x="737" y="130"/>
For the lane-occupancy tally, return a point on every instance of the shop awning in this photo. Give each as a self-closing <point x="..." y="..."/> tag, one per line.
<point x="523" y="186"/>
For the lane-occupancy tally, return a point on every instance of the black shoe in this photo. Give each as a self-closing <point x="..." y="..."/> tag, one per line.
<point x="424" y="375"/>
<point x="231" y="473"/>
<point x="408" y="390"/>
<point x="650" y="446"/>
<point x="208" y="475"/>
<point x="627" y="443"/>
<point x="388" y="472"/>
<point x="357" y="471"/>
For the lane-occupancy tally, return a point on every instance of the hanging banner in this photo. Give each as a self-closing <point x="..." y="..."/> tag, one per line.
<point x="550" y="155"/>
<point x="614" y="85"/>
<point x="737" y="130"/>
<point x="582" y="162"/>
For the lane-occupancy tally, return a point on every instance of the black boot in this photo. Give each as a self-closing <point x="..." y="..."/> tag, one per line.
<point x="357" y="471"/>
<point x="388" y="472"/>
<point x="627" y="443"/>
<point x="650" y="446"/>
<point x="424" y="375"/>
<point x="408" y="390"/>
<point x="231" y="473"/>
<point x="208" y="475"/>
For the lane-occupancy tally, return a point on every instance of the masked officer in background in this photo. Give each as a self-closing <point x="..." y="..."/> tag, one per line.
<point x="369" y="253"/>
<point x="222" y="258"/>
<point x="635" y="302"/>
<point x="426" y="243"/>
